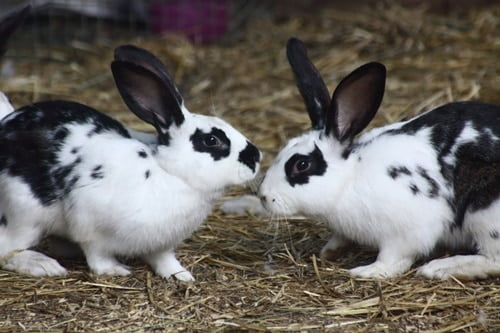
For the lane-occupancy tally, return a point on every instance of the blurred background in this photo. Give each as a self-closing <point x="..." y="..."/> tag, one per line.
<point x="228" y="56"/>
<point x="201" y="21"/>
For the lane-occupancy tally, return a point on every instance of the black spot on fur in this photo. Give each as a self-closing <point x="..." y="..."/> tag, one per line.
<point x="31" y="141"/>
<point x="23" y="154"/>
<point x="476" y="177"/>
<point x="414" y="189"/>
<point x="97" y="172"/>
<point x="299" y="168"/>
<point x="70" y="185"/>
<point x="477" y="181"/>
<point x="433" y="190"/>
<point x="147" y="174"/>
<point x="215" y="143"/>
<point x="354" y="147"/>
<point x="142" y="154"/>
<point x="61" y="173"/>
<point x="98" y="128"/>
<point x="75" y="150"/>
<point x="3" y="220"/>
<point x="61" y="134"/>
<point x="472" y="168"/>
<point x="396" y="171"/>
<point x="249" y="156"/>
<point x="494" y="234"/>
<point x="163" y="139"/>
<point x="347" y="152"/>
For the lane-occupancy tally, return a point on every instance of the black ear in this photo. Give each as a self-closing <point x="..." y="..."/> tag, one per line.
<point x="146" y="95"/>
<point x="146" y="59"/>
<point x="9" y="22"/>
<point x="311" y="85"/>
<point x="356" y="100"/>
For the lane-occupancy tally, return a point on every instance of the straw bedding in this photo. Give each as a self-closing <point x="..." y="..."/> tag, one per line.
<point x="252" y="273"/>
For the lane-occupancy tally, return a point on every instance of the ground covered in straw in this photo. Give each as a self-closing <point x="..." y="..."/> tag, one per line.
<point x="252" y="273"/>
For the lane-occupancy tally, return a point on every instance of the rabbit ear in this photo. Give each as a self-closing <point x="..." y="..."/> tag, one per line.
<point x="309" y="81"/>
<point x="9" y="23"/>
<point x="356" y="100"/>
<point x="149" y="61"/>
<point x="146" y="95"/>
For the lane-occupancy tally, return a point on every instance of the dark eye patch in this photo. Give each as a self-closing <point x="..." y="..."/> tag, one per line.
<point x="299" y="168"/>
<point x="215" y="143"/>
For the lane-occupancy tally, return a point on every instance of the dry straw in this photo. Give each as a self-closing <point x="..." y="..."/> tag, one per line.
<point x="254" y="274"/>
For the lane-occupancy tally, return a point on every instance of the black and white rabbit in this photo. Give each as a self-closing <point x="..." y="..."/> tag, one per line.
<point x="403" y="188"/>
<point x="69" y="170"/>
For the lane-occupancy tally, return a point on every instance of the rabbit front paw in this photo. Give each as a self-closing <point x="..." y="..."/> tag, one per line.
<point x="381" y="270"/>
<point x="33" y="263"/>
<point x="464" y="267"/>
<point x="166" y="265"/>
<point x="110" y="269"/>
<point x="101" y="264"/>
<point x="183" y="276"/>
<point x="376" y="270"/>
<point x="244" y="205"/>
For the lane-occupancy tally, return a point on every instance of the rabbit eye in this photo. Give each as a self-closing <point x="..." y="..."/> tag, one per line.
<point x="211" y="141"/>
<point x="216" y="143"/>
<point x="302" y="165"/>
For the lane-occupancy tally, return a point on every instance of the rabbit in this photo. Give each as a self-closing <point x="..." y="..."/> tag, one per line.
<point x="71" y="171"/>
<point x="404" y="188"/>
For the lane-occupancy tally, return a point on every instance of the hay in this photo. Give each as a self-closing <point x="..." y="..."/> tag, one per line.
<point x="251" y="274"/>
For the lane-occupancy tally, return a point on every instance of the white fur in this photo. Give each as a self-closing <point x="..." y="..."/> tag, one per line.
<point x="123" y="213"/>
<point x="359" y="202"/>
<point x="147" y="197"/>
<point x="393" y="187"/>
<point x="242" y="205"/>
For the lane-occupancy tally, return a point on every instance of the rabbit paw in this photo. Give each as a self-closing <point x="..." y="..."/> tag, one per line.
<point x="107" y="266"/>
<point x="34" y="263"/>
<point x="183" y="276"/>
<point x="174" y="269"/>
<point x="244" y="205"/>
<point x="377" y="270"/>
<point x="466" y="267"/>
<point x="118" y="269"/>
<point x="166" y="265"/>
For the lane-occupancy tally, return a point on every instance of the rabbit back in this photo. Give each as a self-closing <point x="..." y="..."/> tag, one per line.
<point x="466" y="138"/>
<point x="79" y="164"/>
<point x="442" y="167"/>
<point x="34" y="137"/>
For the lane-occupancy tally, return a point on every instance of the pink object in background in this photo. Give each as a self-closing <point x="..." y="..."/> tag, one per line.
<point x="200" y="20"/>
